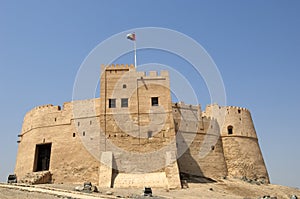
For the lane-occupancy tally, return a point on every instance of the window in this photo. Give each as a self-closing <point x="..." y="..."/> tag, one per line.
<point x="112" y="103"/>
<point x="83" y="133"/>
<point x="154" y="101"/>
<point x="230" y="130"/>
<point x="124" y="86"/>
<point x="124" y="102"/>
<point x="73" y="135"/>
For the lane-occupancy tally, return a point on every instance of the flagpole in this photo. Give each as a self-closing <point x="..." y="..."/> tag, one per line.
<point x="134" y="43"/>
<point x="131" y="36"/>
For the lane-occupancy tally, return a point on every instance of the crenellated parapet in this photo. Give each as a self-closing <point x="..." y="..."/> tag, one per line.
<point x="50" y="115"/>
<point x="117" y="67"/>
<point x="237" y="108"/>
<point x="233" y="120"/>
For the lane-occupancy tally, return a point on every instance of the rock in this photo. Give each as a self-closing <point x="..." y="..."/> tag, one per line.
<point x="266" y="197"/>
<point x="79" y="188"/>
<point x="269" y="197"/>
<point x="294" y="197"/>
<point x="109" y="193"/>
<point x="94" y="189"/>
<point x="244" y="178"/>
<point x="184" y="184"/>
<point x="87" y="184"/>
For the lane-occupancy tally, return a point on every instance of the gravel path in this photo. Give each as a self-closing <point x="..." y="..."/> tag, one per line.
<point x="226" y="189"/>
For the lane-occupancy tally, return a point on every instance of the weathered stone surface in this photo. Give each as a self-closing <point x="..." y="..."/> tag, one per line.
<point x="37" y="177"/>
<point x="105" y="170"/>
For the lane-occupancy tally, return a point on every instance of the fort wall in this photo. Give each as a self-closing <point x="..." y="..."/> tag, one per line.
<point x="199" y="143"/>
<point x="135" y="126"/>
<point x="52" y="125"/>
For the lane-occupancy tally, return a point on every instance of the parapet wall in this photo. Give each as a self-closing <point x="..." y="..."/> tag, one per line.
<point x="237" y="118"/>
<point x="50" y="115"/>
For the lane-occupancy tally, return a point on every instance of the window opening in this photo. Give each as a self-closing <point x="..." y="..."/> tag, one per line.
<point x="230" y="130"/>
<point x="112" y="103"/>
<point x="154" y="101"/>
<point x="124" y="102"/>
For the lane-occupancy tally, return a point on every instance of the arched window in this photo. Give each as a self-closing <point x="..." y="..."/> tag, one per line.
<point x="230" y="130"/>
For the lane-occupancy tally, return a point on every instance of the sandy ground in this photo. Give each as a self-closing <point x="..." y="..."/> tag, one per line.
<point x="226" y="189"/>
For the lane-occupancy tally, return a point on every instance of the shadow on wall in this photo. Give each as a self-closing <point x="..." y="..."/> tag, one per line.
<point x="188" y="167"/>
<point x="115" y="172"/>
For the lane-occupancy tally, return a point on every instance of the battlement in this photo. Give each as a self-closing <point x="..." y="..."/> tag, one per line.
<point x="153" y="74"/>
<point x="186" y="106"/>
<point x="45" y="107"/>
<point x="216" y="106"/>
<point x="117" y="67"/>
<point x="237" y="108"/>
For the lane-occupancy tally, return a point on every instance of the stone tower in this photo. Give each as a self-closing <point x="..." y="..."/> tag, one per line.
<point x="240" y="144"/>
<point x="137" y="123"/>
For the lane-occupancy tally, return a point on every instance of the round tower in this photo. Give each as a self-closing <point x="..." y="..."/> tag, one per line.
<point x="240" y="145"/>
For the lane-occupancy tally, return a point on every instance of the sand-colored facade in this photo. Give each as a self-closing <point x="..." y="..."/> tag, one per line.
<point x="134" y="136"/>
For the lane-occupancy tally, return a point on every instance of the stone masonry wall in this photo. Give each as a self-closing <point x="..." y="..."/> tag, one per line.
<point x="198" y="142"/>
<point x="69" y="160"/>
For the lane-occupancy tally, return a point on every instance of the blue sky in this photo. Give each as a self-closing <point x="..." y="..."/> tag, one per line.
<point x="255" y="44"/>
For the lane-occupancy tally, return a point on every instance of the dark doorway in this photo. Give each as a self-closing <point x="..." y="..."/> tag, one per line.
<point x="42" y="157"/>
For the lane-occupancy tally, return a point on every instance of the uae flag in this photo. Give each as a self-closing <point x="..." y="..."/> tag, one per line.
<point x="131" y="36"/>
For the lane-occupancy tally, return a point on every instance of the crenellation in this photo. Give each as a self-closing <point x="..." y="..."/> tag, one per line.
<point x="141" y="74"/>
<point x="237" y="108"/>
<point x="164" y="73"/>
<point x="117" y="67"/>
<point x="152" y="74"/>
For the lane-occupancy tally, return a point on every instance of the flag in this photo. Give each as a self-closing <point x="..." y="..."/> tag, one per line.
<point x="131" y="36"/>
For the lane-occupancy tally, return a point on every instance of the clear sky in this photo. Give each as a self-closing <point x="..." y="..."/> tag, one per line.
<point x="255" y="44"/>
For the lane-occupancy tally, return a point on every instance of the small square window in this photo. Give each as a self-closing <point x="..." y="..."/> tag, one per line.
<point x="124" y="86"/>
<point x="124" y="102"/>
<point x="112" y="103"/>
<point x="154" y="101"/>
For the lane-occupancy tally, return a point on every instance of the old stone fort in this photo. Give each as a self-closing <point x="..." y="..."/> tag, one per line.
<point x="133" y="135"/>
